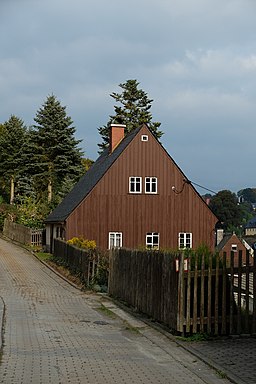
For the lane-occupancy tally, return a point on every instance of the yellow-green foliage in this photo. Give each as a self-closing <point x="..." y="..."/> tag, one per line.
<point x="80" y="242"/>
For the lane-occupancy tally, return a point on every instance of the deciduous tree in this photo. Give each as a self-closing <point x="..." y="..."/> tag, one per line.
<point x="225" y="206"/>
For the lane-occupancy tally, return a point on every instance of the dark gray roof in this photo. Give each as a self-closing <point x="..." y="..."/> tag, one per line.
<point x="88" y="181"/>
<point x="223" y="242"/>
<point x="251" y="223"/>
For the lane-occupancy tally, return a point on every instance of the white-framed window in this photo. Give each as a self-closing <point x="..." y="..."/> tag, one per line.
<point x="152" y="240"/>
<point x="135" y="184"/>
<point x="144" y="137"/>
<point x="234" y="247"/>
<point x="185" y="240"/>
<point x="150" y="184"/>
<point x="115" y="240"/>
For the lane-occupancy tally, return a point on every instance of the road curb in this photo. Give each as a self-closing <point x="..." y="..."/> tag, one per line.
<point x="2" y="312"/>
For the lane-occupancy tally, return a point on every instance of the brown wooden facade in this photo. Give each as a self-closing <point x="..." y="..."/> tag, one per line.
<point x="110" y="207"/>
<point x="232" y="243"/>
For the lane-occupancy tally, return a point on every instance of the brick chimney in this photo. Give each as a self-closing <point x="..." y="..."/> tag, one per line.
<point x="116" y="135"/>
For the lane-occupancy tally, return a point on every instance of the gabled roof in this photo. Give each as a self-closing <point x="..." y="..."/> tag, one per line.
<point x="223" y="242"/>
<point x="225" y="239"/>
<point x="251" y="223"/>
<point x="94" y="175"/>
<point x="88" y="181"/>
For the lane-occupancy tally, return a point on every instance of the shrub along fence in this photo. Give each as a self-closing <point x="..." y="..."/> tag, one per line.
<point x="188" y="294"/>
<point x="91" y="265"/>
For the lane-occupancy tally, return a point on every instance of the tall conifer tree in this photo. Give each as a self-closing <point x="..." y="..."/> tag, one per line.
<point x="56" y="152"/>
<point x="133" y="111"/>
<point x="13" y="140"/>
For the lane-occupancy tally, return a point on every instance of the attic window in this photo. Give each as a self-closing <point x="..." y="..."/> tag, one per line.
<point x="234" y="247"/>
<point x="144" y="137"/>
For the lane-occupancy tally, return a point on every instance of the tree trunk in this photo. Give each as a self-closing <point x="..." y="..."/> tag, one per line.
<point x="49" y="191"/>
<point x="12" y="190"/>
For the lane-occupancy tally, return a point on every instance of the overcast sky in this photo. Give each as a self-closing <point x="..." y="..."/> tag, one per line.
<point x="195" y="58"/>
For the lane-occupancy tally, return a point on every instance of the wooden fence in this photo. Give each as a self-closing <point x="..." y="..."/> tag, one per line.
<point x="188" y="295"/>
<point x="22" y="234"/>
<point x="219" y="300"/>
<point x="147" y="281"/>
<point x="87" y="263"/>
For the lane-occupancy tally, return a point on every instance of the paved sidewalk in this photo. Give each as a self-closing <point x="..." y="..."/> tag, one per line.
<point x="235" y="357"/>
<point x="54" y="333"/>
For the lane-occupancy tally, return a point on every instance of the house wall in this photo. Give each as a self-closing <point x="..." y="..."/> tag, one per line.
<point x="250" y="231"/>
<point x="111" y="208"/>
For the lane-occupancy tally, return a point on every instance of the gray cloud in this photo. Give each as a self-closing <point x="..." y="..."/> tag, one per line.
<point x="195" y="58"/>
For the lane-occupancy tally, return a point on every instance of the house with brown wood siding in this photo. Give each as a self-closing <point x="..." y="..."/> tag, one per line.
<point x="134" y="195"/>
<point x="230" y="242"/>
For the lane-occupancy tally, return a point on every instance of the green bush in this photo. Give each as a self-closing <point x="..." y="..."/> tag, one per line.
<point x="80" y="242"/>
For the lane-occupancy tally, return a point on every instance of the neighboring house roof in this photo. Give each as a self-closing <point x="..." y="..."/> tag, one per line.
<point x="225" y="240"/>
<point x="88" y="181"/>
<point x="251" y="223"/>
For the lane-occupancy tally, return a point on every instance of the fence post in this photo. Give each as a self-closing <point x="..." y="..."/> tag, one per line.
<point x="247" y="285"/>
<point x="216" y="304"/>
<point x="180" y="314"/>
<point x="239" y="294"/>
<point x="231" y="315"/>
<point x="224" y="296"/>
<point x="254" y="294"/>
<point x="202" y="296"/>
<point x="194" y="330"/>
<point x="209" y="309"/>
<point x="188" y="295"/>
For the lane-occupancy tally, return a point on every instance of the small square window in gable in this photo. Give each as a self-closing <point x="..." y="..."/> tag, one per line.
<point x="144" y="137"/>
<point x="234" y="247"/>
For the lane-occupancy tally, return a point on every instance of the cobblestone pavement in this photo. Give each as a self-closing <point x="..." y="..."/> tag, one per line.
<point x="54" y="333"/>
<point x="234" y="356"/>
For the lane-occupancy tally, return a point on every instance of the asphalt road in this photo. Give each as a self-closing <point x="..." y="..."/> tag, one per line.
<point x="54" y="333"/>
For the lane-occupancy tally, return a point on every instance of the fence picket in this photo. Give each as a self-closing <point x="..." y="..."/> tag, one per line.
<point x="224" y="296"/>
<point x="254" y="294"/>
<point x="239" y="293"/>
<point x="231" y="316"/>
<point x="209" y="306"/>
<point x="188" y="298"/>
<point x="216" y="304"/>
<point x="194" y="328"/>
<point x="202" y="294"/>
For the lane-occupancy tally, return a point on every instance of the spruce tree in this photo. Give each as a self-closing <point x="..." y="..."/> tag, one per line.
<point x="56" y="153"/>
<point x="133" y="112"/>
<point x="13" y="140"/>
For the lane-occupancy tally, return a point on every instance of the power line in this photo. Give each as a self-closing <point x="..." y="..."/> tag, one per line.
<point x="186" y="181"/>
<point x="198" y="185"/>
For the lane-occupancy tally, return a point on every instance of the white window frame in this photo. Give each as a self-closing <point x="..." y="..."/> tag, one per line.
<point x="150" y="240"/>
<point x="135" y="181"/>
<point x="234" y="247"/>
<point x="115" y="240"/>
<point x="151" y="182"/>
<point x="185" y="240"/>
<point x="144" y="137"/>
